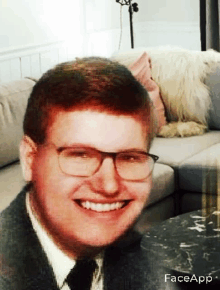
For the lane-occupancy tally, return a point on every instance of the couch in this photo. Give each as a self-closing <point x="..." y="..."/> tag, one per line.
<point x="13" y="101"/>
<point x="184" y="177"/>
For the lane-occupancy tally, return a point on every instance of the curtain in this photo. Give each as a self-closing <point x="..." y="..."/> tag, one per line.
<point x="209" y="24"/>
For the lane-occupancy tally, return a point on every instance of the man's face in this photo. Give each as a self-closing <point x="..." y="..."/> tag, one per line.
<point x="57" y="198"/>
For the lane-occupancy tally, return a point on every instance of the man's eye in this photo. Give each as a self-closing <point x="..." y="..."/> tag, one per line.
<point x="77" y="154"/>
<point x="132" y="157"/>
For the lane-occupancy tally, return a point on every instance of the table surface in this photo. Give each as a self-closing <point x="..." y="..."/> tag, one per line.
<point x="188" y="243"/>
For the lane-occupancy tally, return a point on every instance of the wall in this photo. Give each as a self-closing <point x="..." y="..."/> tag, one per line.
<point x="158" y="22"/>
<point x="169" y="10"/>
<point x="37" y="34"/>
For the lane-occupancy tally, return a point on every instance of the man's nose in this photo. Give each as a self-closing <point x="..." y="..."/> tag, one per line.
<point x="106" y="180"/>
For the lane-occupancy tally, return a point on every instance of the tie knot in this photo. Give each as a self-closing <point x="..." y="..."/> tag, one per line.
<point x="80" y="277"/>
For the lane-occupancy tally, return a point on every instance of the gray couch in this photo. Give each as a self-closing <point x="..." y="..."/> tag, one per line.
<point x="13" y="100"/>
<point x="181" y="176"/>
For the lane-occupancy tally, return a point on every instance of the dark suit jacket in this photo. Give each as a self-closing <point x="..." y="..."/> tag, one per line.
<point x="24" y="265"/>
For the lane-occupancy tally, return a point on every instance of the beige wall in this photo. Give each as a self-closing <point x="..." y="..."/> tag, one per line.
<point x="37" y="34"/>
<point x="28" y="22"/>
<point x="103" y="15"/>
<point x="169" y="10"/>
<point x="157" y="23"/>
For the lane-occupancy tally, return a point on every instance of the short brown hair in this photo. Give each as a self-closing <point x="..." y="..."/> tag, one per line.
<point x="87" y="83"/>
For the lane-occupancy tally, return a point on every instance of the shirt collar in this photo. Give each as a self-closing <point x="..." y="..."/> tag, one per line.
<point x="54" y="254"/>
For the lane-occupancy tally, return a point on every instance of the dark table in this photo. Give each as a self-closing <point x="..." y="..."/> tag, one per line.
<point x="189" y="246"/>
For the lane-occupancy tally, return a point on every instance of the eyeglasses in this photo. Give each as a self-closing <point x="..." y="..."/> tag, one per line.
<point x="86" y="161"/>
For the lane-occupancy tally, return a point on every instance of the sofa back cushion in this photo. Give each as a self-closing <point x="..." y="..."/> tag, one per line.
<point x="213" y="83"/>
<point x="13" y="101"/>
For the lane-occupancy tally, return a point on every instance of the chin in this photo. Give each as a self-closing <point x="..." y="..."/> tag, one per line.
<point x="107" y="236"/>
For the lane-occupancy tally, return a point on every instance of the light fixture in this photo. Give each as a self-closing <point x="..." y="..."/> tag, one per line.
<point x="132" y="8"/>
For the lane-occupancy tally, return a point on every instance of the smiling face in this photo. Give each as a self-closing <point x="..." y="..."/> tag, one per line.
<point x="94" y="211"/>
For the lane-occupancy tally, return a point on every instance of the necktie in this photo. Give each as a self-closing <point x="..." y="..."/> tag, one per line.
<point x="80" y="277"/>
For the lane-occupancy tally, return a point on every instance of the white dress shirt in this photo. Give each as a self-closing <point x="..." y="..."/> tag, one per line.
<point x="60" y="262"/>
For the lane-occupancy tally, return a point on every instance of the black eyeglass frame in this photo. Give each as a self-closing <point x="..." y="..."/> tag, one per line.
<point x="103" y="155"/>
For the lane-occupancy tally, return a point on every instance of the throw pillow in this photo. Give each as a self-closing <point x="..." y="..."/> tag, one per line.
<point x="141" y="69"/>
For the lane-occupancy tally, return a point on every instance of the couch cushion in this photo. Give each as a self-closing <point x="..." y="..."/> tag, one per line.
<point x="13" y="100"/>
<point x="161" y="204"/>
<point x="155" y="214"/>
<point x="191" y="201"/>
<point x="212" y="81"/>
<point x="127" y="57"/>
<point x="175" y="151"/>
<point x="199" y="174"/>
<point x="11" y="183"/>
<point x="163" y="183"/>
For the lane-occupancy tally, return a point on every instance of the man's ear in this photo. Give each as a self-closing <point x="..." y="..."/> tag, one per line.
<point x="27" y="155"/>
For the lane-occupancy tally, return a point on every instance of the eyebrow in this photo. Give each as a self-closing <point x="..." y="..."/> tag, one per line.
<point x="81" y="145"/>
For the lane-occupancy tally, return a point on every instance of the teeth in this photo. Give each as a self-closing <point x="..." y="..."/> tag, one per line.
<point x="102" y="207"/>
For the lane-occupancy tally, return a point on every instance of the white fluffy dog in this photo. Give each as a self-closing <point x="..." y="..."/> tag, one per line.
<point x="180" y="75"/>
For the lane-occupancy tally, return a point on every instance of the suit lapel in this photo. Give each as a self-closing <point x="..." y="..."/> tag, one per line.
<point x="121" y="266"/>
<point x="20" y="247"/>
<point x="128" y="267"/>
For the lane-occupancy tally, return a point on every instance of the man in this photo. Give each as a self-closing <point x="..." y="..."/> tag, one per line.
<point x="87" y="132"/>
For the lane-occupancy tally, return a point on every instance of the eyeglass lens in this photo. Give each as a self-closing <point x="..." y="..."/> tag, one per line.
<point x="86" y="161"/>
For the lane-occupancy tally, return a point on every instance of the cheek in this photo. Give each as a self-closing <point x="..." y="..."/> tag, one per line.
<point x="45" y="171"/>
<point x="54" y="189"/>
<point x="141" y="191"/>
<point x="47" y="176"/>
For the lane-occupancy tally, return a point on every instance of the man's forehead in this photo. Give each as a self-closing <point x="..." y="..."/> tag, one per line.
<point x="98" y="129"/>
<point x="92" y="115"/>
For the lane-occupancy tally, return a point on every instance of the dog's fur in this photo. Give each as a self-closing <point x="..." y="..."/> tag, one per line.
<point x="180" y="75"/>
